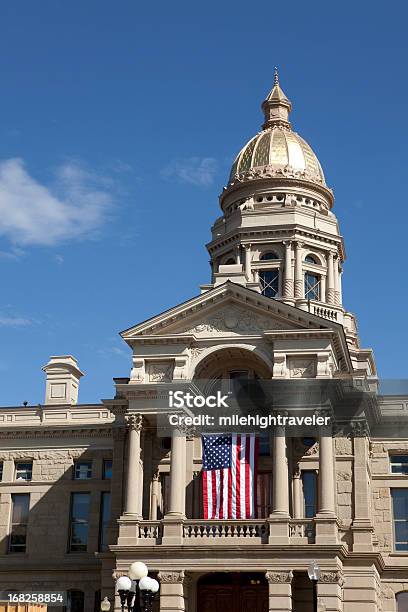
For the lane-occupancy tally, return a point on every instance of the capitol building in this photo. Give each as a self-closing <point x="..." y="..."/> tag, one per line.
<point x="87" y="489"/>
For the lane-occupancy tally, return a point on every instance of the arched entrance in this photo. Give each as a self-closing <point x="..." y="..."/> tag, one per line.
<point x="232" y="592"/>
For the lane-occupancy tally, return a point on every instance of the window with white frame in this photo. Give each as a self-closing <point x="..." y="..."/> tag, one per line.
<point x="24" y="470"/>
<point x="399" y="464"/>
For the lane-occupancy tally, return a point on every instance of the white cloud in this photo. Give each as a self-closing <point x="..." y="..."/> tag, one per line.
<point x="14" y="321"/>
<point x="199" y="171"/>
<point x="73" y="206"/>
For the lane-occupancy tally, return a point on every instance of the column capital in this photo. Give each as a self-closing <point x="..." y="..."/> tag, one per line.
<point x="332" y="577"/>
<point x="134" y="422"/>
<point x="279" y="577"/>
<point x="298" y="244"/>
<point x="288" y="243"/>
<point x="171" y="577"/>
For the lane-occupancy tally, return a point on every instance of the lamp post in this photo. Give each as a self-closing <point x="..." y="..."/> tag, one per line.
<point x="105" y="605"/>
<point x="314" y="574"/>
<point x="129" y="589"/>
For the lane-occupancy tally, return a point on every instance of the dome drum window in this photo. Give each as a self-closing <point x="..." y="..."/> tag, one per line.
<point x="268" y="255"/>
<point x="269" y="281"/>
<point x="312" y="259"/>
<point x="312" y="286"/>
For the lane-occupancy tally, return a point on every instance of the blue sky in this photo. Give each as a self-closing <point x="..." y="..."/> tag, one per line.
<point x="118" y="125"/>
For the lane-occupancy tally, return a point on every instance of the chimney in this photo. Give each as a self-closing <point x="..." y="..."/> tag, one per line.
<point x="62" y="380"/>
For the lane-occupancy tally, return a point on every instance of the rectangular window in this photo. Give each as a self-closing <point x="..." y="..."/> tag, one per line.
<point x="312" y="286"/>
<point x="104" y="520"/>
<point x="82" y="470"/>
<point x="20" y="504"/>
<point x="24" y="470"/>
<point x="399" y="464"/>
<point x="1" y="471"/>
<point x="269" y="280"/>
<point x="79" y="522"/>
<point x="107" y="469"/>
<point x="309" y="482"/>
<point x="400" y="510"/>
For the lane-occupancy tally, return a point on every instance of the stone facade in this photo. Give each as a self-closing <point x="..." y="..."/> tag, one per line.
<point x="273" y="310"/>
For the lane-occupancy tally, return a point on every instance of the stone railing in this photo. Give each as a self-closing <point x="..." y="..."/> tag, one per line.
<point x="324" y="312"/>
<point x="302" y="529"/>
<point x="150" y="532"/>
<point x="247" y="532"/>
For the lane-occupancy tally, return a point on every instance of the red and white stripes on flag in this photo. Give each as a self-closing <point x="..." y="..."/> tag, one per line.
<point x="229" y="476"/>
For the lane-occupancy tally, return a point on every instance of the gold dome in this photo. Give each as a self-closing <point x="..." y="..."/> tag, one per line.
<point x="280" y="149"/>
<point x="277" y="150"/>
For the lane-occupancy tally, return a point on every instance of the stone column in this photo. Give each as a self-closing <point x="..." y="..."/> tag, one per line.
<point x="238" y="253"/>
<point x="172" y="591"/>
<point x="326" y="473"/>
<point x="248" y="262"/>
<point x="173" y="521"/>
<point x="297" y="495"/>
<point x="323" y="288"/>
<point x="287" y="272"/>
<point x="279" y="517"/>
<point x="146" y="468"/>
<point x="326" y="526"/>
<point x="340" y="285"/>
<point x="154" y="497"/>
<point x="177" y="474"/>
<point x="280" y="590"/>
<point x="299" y="280"/>
<point x="336" y="281"/>
<point x="330" y="293"/>
<point x="133" y="480"/>
<point x="280" y="488"/>
<point x="362" y="528"/>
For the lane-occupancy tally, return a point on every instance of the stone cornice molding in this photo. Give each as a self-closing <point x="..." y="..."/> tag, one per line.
<point x="50" y="432"/>
<point x="279" y="577"/>
<point x="174" y="577"/>
<point x="276" y="176"/>
<point x="134" y="422"/>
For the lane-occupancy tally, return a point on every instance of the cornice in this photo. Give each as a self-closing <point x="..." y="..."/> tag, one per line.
<point x="50" y="431"/>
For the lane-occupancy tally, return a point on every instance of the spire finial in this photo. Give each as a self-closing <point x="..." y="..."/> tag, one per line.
<point x="276" y="76"/>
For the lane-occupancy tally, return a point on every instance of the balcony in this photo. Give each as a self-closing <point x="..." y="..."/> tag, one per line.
<point x="198" y="532"/>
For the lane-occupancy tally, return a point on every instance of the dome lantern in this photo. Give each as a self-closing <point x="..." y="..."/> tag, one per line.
<point x="276" y="106"/>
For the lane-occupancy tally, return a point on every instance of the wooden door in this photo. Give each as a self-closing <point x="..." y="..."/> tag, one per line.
<point x="233" y="593"/>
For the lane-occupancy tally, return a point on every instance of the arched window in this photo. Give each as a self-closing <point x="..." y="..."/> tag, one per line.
<point x="269" y="280"/>
<point x="268" y="256"/>
<point x="229" y="262"/>
<point x="312" y="286"/>
<point x="311" y="259"/>
<point x="402" y="601"/>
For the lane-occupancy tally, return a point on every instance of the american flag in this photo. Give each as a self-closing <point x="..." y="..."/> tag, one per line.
<point x="229" y="475"/>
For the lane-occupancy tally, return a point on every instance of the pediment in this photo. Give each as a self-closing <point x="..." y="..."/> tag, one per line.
<point x="228" y="310"/>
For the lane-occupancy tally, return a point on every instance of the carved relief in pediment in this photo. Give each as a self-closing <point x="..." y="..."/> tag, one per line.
<point x="233" y="320"/>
